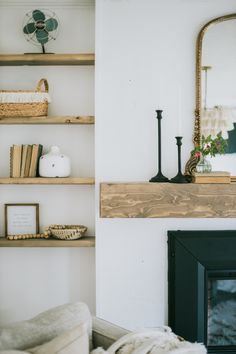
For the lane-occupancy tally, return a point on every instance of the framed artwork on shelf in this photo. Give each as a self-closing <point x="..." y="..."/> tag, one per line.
<point x="21" y="219"/>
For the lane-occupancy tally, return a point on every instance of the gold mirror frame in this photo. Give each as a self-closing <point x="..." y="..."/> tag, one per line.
<point x="191" y="164"/>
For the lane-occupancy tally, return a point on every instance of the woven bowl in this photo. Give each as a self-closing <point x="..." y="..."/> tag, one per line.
<point x="67" y="232"/>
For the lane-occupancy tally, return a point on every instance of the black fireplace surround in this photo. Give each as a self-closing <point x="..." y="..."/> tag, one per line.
<point x="202" y="288"/>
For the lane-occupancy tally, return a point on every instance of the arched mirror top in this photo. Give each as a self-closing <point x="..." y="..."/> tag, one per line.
<point x="204" y="66"/>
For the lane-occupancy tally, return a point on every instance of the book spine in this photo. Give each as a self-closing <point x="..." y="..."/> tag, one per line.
<point x="11" y="161"/>
<point x="40" y="152"/>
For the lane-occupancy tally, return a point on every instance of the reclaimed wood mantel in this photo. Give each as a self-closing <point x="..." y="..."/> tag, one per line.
<point x="166" y="200"/>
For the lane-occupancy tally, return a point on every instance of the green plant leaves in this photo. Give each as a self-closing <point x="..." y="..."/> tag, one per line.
<point x="210" y="146"/>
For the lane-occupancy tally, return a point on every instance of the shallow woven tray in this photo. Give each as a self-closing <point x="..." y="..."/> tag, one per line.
<point x="66" y="232"/>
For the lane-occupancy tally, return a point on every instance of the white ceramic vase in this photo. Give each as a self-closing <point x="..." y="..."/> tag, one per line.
<point x="54" y="164"/>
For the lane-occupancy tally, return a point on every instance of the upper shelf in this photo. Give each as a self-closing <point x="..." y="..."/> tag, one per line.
<point x="48" y="120"/>
<point x="46" y="59"/>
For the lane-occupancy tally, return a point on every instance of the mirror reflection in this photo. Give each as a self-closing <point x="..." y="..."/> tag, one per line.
<point x="218" y="89"/>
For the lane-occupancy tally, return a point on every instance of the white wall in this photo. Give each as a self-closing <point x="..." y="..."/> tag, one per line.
<point x="33" y="280"/>
<point x="145" y="55"/>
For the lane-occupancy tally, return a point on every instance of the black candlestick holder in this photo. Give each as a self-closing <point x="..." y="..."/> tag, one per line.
<point x="179" y="178"/>
<point x="159" y="177"/>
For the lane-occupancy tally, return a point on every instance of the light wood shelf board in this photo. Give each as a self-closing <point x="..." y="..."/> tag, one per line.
<point x="167" y="200"/>
<point x="88" y="241"/>
<point x="44" y="180"/>
<point x="48" y="120"/>
<point x="46" y="59"/>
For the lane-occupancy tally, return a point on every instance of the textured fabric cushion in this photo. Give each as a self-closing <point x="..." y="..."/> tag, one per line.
<point x="74" y="341"/>
<point x="45" y="326"/>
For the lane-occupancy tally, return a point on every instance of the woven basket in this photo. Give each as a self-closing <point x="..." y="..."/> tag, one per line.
<point x="66" y="232"/>
<point x="25" y="109"/>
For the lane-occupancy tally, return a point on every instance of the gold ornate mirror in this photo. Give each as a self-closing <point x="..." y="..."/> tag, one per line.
<point x="215" y="109"/>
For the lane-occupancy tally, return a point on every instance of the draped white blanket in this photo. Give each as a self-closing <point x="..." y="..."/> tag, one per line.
<point x="158" y="341"/>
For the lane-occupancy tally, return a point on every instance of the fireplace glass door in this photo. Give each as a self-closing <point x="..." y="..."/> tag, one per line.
<point x="221" y="313"/>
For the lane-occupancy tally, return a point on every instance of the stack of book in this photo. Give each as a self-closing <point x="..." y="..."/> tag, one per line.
<point x="212" y="177"/>
<point x="24" y="160"/>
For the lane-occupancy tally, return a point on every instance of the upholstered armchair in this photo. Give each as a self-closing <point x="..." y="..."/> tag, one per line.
<point x="49" y="325"/>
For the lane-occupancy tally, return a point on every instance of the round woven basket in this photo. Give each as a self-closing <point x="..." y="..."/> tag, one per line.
<point x="66" y="232"/>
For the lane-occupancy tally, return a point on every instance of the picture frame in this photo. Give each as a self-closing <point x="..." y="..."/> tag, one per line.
<point x="21" y="218"/>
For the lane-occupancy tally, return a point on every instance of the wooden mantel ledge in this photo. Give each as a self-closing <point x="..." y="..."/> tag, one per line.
<point x="167" y="200"/>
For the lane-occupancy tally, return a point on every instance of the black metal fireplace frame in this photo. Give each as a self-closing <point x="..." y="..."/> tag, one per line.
<point x="192" y="257"/>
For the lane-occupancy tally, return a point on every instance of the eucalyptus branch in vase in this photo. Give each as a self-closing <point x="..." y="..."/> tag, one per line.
<point x="208" y="147"/>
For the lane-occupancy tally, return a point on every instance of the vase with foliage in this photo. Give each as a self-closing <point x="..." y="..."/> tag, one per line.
<point x="208" y="146"/>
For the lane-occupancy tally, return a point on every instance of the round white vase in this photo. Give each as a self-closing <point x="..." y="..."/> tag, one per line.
<point x="54" y="164"/>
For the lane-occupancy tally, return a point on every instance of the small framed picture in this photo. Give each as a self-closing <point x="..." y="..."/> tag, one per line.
<point x="21" y="219"/>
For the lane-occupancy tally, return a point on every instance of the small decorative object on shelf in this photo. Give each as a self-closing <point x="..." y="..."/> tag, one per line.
<point x="212" y="177"/>
<point x="209" y="147"/>
<point x="25" y="103"/>
<point x="40" y="27"/>
<point x="66" y="232"/>
<point x="159" y="177"/>
<point x="203" y="165"/>
<point x="54" y="164"/>
<point x="26" y="236"/>
<point x="179" y="178"/>
<point x="21" y="219"/>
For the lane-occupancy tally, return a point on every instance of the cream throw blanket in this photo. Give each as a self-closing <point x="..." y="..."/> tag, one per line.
<point x="158" y="341"/>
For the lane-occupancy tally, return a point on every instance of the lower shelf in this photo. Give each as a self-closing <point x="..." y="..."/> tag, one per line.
<point x="45" y="180"/>
<point x="88" y="241"/>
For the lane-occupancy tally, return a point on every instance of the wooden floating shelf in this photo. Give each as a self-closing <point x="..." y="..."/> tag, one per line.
<point x="44" y="180"/>
<point x="46" y="59"/>
<point x="167" y="200"/>
<point x="88" y="241"/>
<point x="48" y="120"/>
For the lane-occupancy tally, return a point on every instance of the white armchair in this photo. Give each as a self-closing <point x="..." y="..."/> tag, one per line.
<point x="70" y="329"/>
<point x="53" y="323"/>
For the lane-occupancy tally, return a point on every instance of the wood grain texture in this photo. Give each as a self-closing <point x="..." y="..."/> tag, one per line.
<point x="166" y="200"/>
<point x="47" y="59"/>
<point x="48" y="120"/>
<point x="45" y="180"/>
<point x="88" y="241"/>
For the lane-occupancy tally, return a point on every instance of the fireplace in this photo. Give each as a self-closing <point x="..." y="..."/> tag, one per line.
<point x="202" y="288"/>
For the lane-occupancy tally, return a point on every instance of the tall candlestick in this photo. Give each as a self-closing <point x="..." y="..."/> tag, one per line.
<point x="159" y="177"/>
<point x="179" y="178"/>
